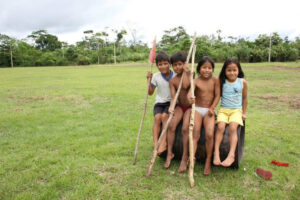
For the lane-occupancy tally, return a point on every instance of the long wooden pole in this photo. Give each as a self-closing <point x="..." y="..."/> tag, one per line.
<point x="154" y="155"/>
<point x="191" y="127"/>
<point x="145" y="108"/>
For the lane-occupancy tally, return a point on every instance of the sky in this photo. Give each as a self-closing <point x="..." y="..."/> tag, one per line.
<point x="67" y="19"/>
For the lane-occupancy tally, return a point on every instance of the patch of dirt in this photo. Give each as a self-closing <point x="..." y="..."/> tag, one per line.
<point x="109" y="174"/>
<point x="19" y="109"/>
<point x="66" y="99"/>
<point x="293" y="100"/>
<point x="175" y="195"/>
<point x="69" y="98"/>
<point x="265" y="97"/>
<point x="32" y="99"/>
<point x="278" y="68"/>
<point x="41" y="181"/>
<point x="286" y="68"/>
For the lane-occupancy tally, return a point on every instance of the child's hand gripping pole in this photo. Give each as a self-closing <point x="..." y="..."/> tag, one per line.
<point x="151" y="61"/>
<point x="191" y="127"/>
<point x="154" y="155"/>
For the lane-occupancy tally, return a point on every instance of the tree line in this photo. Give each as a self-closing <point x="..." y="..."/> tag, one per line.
<point x="41" y="48"/>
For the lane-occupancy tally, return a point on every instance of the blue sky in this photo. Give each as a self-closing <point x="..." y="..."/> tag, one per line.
<point x="68" y="19"/>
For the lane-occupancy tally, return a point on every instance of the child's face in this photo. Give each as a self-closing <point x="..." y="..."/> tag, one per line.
<point x="232" y="72"/>
<point x="163" y="66"/>
<point x="206" y="70"/>
<point x="178" y="67"/>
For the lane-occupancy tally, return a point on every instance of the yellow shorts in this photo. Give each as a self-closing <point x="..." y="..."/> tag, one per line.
<point x="230" y="115"/>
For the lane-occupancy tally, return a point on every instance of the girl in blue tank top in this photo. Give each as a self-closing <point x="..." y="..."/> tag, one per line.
<point x="233" y="108"/>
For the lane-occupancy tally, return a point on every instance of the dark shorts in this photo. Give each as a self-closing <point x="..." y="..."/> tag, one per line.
<point x="161" y="108"/>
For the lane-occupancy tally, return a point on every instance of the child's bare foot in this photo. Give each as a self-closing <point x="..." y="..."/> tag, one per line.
<point x="217" y="160"/>
<point x="168" y="160"/>
<point x="162" y="148"/>
<point x="207" y="167"/>
<point x="228" y="161"/>
<point x="183" y="165"/>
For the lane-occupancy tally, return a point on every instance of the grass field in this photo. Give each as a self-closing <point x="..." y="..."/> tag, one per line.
<point x="70" y="133"/>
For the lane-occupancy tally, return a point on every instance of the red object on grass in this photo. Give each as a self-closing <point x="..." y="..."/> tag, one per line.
<point x="264" y="173"/>
<point x="280" y="163"/>
<point x="152" y="52"/>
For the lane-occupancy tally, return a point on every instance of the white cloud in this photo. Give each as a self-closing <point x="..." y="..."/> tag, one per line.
<point x="68" y="19"/>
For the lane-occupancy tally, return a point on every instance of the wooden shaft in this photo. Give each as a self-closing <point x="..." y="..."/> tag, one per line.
<point x="142" y="121"/>
<point x="191" y="127"/>
<point x="154" y="155"/>
<point x="144" y="113"/>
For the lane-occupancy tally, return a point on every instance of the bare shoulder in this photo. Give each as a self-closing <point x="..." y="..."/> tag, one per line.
<point x="244" y="82"/>
<point x="215" y="79"/>
<point x="175" y="80"/>
<point x="171" y="81"/>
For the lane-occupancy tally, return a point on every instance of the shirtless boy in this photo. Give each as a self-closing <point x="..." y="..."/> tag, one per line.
<point x="182" y="109"/>
<point x="207" y="96"/>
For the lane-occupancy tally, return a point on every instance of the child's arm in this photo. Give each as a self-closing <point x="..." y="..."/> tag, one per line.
<point x="245" y="98"/>
<point x="151" y="87"/>
<point x="217" y="96"/>
<point x="173" y="94"/>
<point x="186" y="77"/>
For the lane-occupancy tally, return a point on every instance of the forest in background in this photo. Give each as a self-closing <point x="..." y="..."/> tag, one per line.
<point x="41" y="48"/>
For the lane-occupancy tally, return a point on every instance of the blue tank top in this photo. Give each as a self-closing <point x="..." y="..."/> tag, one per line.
<point x="232" y="94"/>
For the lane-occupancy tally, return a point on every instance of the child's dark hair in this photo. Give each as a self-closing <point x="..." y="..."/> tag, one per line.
<point x="222" y="75"/>
<point x="204" y="60"/>
<point x="162" y="56"/>
<point x="178" y="56"/>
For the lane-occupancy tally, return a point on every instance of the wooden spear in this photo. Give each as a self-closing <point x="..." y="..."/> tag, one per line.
<point x="151" y="61"/>
<point x="191" y="127"/>
<point x="154" y="155"/>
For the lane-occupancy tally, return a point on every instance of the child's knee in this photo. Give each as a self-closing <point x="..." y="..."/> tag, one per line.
<point x="172" y="128"/>
<point x="185" y="131"/>
<point x="221" y="127"/>
<point x="157" y="119"/>
<point x="232" y="128"/>
<point x="196" y="131"/>
<point x="185" y="128"/>
<point x="164" y="117"/>
<point x="196" y="136"/>
<point x="209" y="135"/>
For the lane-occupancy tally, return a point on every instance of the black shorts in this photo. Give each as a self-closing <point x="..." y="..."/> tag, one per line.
<point x="161" y="108"/>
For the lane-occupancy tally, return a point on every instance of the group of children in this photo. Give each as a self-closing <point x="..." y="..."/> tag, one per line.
<point x="230" y="87"/>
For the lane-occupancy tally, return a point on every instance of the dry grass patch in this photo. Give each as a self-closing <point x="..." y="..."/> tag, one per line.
<point x="31" y="99"/>
<point x="292" y="100"/>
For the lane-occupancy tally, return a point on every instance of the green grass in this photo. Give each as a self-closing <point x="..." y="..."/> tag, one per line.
<point x="70" y="133"/>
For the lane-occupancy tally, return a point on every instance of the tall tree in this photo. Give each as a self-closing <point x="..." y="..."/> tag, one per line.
<point x="119" y="35"/>
<point x="7" y="47"/>
<point x="45" y="41"/>
<point x="173" y="36"/>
